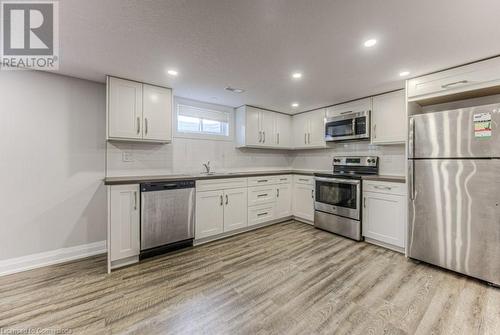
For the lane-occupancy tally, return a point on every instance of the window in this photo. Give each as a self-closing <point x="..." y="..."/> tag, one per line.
<point x="202" y="120"/>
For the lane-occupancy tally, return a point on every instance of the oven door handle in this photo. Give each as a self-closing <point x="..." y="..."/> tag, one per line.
<point x="337" y="180"/>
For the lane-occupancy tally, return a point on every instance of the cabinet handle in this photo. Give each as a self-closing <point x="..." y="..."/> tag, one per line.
<point x="146" y="125"/>
<point x="301" y="179"/>
<point x="277" y="192"/>
<point x="347" y="112"/>
<point x="262" y="195"/>
<point x="264" y="137"/>
<point x="262" y="181"/>
<point x="283" y="179"/>
<point x="454" y="83"/>
<point x="278" y="138"/>
<point x="260" y="136"/>
<point x="383" y="187"/>
<point x="227" y="199"/>
<point x="261" y="214"/>
<point x="305" y="138"/>
<point x="135" y="200"/>
<point x="375" y="130"/>
<point x="138" y="125"/>
<point x="312" y="194"/>
<point x="309" y="138"/>
<point x="221" y="201"/>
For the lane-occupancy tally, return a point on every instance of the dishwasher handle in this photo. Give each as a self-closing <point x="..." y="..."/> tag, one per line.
<point x="162" y="186"/>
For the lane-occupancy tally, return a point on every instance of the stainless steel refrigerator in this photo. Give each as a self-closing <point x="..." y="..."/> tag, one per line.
<point x="454" y="181"/>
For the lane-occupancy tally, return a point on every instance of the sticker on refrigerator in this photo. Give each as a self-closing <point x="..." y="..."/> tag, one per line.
<point x="482" y="125"/>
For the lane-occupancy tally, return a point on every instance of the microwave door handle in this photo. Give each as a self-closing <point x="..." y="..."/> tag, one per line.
<point x="354" y="126"/>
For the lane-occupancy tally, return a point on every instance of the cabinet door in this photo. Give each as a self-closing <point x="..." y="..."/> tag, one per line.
<point x="253" y="135"/>
<point x="283" y="200"/>
<point x="124" y="221"/>
<point x="157" y="112"/>
<point x="303" y="201"/>
<point x="235" y="209"/>
<point x="316" y="133"/>
<point x="282" y="130"/>
<point x="124" y="109"/>
<point x="389" y="118"/>
<point x="267" y="128"/>
<point x="209" y="213"/>
<point x="384" y="217"/>
<point x="300" y="128"/>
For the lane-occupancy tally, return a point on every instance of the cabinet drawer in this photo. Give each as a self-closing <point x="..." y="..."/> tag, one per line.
<point x="461" y="79"/>
<point x="284" y="179"/>
<point x="220" y="184"/>
<point x="306" y="180"/>
<point x="261" y="195"/>
<point x="384" y="187"/>
<point x="260" y="214"/>
<point x="264" y="180"/>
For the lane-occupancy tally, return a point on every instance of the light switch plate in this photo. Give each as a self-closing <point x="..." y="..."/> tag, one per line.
<point x="127" y="156"/>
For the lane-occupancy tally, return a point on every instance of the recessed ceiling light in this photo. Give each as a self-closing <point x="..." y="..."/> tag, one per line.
<point x="296" y="75"/>
<point x="295" y="104"/>
<point x="371" y="42"/>
<point x="234" y="89"/>
<point x="404" y="73"/>
<point x="173" y="72"/>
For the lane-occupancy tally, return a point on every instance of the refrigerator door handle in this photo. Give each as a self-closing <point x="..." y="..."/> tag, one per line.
<point x="411" y="178"/>
<point x="411" y="139"/>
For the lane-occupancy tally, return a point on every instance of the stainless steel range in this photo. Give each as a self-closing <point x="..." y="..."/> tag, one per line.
<point x="338" y="195"/>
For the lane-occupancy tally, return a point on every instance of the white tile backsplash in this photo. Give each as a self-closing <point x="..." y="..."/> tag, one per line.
<point x="185" y="155"/>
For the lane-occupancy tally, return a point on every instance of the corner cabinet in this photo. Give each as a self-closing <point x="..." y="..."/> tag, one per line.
<point x="384" y="214"/>
<point x="138" y="112"/>
<point x="308" y="129"/>
<point x="123" y="225"/>
<point x="389" y="118"/>
<point x="260" y="128"/>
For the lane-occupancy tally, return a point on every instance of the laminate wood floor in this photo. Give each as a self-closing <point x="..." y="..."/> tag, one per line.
<point x="287" y="278"/>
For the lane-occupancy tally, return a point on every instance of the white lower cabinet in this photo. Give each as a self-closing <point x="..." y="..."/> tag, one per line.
<point x="283" y="200"/>
<point x="209" y="213"/>
<point x="124" y="221"/>
<point x="303" y="197"/>
<point x="235" y="209"/>
<point x="260" y="214"/>
<point x="384" y="213"/>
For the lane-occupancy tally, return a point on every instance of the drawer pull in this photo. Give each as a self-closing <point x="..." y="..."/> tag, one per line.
<point x="383" y="187"/>
<point x="454" y="83"/>
<point x="262" y="181"/>
<point x="303" y="179"/>
<point x="262" y="195"/>
<point x="283" y="178"/>
<point x="262" y="214"/>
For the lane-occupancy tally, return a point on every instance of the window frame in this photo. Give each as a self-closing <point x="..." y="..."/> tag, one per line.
<point x="204" y="105"/>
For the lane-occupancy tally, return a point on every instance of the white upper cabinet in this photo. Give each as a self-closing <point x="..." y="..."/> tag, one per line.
<point x="157" y="113"/>
<point x="257" y="127"/>
<point x="361" y="105"/>
<point x="389" y="118"/>
<point x="138" y="112"/>
<point x="282" y="130"/>
<point x="309" y="129"/>
<point x="124" y="109"/>
<point x="476" y="76"/>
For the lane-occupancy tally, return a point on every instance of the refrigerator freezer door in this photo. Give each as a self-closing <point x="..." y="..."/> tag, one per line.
<point x="461" y="133"/>
<point x="454" y="219"/>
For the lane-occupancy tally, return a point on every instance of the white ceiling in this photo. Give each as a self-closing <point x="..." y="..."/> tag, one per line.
<point x="257" y="44"/>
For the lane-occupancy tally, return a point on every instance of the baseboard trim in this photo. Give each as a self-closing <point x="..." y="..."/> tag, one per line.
<point x="24" y="263"/>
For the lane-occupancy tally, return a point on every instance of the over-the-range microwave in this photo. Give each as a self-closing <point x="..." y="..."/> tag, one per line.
<point x="348" y="126"/>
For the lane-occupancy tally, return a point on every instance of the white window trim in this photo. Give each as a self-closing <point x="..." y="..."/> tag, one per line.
<point x="206" y="105"/>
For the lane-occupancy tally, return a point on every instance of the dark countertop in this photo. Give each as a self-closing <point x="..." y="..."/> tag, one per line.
<point x="174" y="177"/>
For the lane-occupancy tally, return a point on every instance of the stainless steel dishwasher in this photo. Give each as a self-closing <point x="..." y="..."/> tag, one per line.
<point x="167" y="216"/>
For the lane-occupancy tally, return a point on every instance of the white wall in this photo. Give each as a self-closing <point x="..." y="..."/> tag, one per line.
<point x="186" y="156"/>
<point x="52" y="157"/>
<point x="392" y="157"/>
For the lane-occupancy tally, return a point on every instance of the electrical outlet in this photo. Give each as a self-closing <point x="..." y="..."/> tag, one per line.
<point x="127" y="156"/>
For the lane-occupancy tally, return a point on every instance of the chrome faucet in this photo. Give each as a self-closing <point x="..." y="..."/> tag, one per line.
<point x="207" y="167"/>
